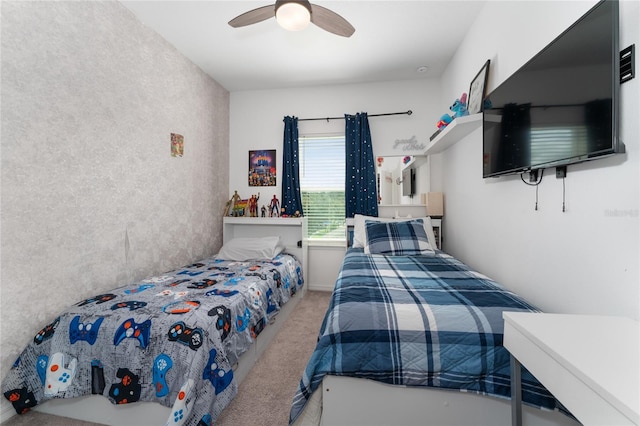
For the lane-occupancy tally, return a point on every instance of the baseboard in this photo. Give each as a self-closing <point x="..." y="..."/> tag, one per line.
<point x="6" y="410"/>
<point x="322" y="287"/>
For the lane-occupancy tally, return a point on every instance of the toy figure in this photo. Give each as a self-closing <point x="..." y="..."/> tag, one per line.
<point x="253" y="205"/>
<point x="459" y="109"/>
<point x="227" y="209"/>
<point x="274" y="207"/>
<point x="241" y="208"/>
<point x="263" y="210"/>
<point x="231" y="204"/>
<point x="444" y="121"/>
<point x="283" y="212"/>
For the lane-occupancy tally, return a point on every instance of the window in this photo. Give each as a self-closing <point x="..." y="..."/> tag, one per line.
<point x="322" y="187"/>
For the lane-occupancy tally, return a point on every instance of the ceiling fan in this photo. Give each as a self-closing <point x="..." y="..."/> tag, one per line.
<point x="295" y="15"/>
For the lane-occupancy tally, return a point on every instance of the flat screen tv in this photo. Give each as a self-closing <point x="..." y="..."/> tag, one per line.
<point x="561" y="107"/>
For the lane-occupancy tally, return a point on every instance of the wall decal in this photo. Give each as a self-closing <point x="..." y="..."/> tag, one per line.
<point x="410" y="144"/>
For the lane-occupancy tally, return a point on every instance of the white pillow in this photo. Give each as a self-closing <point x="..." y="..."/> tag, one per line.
<point x="360" y="233"/>
<point x="241" y="249"/>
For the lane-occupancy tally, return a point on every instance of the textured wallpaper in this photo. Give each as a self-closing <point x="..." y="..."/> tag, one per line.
<point x="91" y="197"/>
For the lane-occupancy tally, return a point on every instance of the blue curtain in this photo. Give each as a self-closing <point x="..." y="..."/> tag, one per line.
<point x="291" y="198"/>
<point x="361" y="196"/>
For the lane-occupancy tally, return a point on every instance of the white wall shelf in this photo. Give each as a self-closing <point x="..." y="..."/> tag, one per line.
<point x="411" y="162"/>
<point x="454" y="132"/>
<point x="279" y="221"/>
<point x="416" y="161"/>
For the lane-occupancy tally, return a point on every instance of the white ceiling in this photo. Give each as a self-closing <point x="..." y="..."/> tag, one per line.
<point x="392" y="39"/>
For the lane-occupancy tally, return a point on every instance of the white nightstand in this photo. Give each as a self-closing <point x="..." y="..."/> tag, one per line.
<point x="589" y="363"/>
<point x="436" y="224"/>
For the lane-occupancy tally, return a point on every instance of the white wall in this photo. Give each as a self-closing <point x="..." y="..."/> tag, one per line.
<point x="91" y="197"/>
<point x="257" y="123"/>
<point x="584" y="260"/>
<point x="257" y="120"/>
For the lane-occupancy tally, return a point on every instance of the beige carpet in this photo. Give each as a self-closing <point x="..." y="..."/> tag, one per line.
<point x="265" y="396"/>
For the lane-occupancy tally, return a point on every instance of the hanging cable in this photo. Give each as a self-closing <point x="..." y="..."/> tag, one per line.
<point x="563" y="194"/>
<point x="561" y="173"/>
<point x="536" y="183"/>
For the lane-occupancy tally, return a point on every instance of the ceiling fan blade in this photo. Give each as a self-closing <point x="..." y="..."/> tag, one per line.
<point x="253" y="16"/>
<point x="331" y="21"/>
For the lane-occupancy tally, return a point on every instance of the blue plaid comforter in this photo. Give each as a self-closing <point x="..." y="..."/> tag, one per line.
<point x="417" y="321"/>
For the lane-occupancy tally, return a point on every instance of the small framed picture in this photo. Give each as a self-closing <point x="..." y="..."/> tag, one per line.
<point x="478" y="89"/>
<point x="177" y="145"/>
<point x="262" y="168"/>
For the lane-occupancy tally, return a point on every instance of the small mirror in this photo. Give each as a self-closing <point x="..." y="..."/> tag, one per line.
<point x="389" y="178"/>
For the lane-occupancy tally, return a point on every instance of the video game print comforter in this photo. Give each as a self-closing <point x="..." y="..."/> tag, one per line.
<point x="417" y="321"/>
<point x="171" y="339"/>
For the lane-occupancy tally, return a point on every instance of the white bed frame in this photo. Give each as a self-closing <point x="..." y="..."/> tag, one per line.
<point x="353" y="402"/>
<point x="98" y="408"/>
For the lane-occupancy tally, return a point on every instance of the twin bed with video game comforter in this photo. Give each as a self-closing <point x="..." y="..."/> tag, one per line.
<point x="172" y="339"/>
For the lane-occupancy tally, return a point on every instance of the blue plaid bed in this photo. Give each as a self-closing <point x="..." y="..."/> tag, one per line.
<point x="417" y="321"/>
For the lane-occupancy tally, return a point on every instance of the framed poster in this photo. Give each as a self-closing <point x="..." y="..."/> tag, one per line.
<point x="262" y="168"/>
<point x="478" y="89"/>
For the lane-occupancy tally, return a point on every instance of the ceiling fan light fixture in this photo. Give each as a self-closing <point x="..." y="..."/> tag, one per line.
<point x="293" y="16"/>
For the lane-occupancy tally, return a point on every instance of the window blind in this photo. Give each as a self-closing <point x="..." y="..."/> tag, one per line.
<point x="322" y="180"/>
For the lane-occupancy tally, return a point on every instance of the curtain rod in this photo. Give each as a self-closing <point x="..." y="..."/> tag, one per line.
<point x="369" y="115"/>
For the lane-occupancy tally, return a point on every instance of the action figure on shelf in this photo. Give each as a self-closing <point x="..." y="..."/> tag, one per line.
<point x="263" y="210"/>
<point x="459" y="106"/>
<point x="238" y="207"/>
<point x="274" y="207"/>
<point x="231" y="204"/>
<point x="253" y="205"/>
<point x="459" y="109"/>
